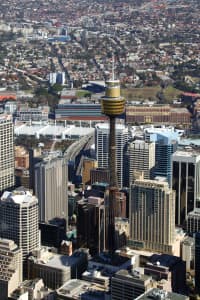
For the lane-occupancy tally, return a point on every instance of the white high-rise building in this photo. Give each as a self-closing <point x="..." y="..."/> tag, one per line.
<point x="7" y="162"/>
<point x="102" y="144"/>
<point x="19" y="220"/>
<point x="10" y="267"/>
<point x="141" y="156"/>
<point x="51" y="188"/>
<point x="152" y="215"/>
<point x="52" y="78"/>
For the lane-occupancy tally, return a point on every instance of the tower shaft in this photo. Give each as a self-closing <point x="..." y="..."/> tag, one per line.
<point x="112" y="154"/>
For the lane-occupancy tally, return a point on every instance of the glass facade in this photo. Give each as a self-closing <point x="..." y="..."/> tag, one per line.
<point x="184" y="185"/>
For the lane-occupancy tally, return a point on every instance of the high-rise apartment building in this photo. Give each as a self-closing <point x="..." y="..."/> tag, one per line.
<point x="51" y="188"/>
<point x="186" y="182"/>
<point x="10" y="267"/>
<point x="141" y="157"/>
<point x="102" y="147"/>
<point x="152" y="215"/>
<point x="19" y="220"/>
<point x="7" y="162"/>
<point x="166" y="141"/>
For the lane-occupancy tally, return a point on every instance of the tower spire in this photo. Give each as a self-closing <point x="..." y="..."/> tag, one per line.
<point x="113" y="67"/>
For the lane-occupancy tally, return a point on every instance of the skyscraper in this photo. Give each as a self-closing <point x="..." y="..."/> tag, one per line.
<point x="141" y="156"/>
<point x="7" y="162"/>
<point x="19" y="220"/>
<point x="166" y="141"/>
<point x="102" y="133"/>
<point x="10" y="267"/>
<point x="113" y="105"/>
<point x="152" y="215"/>
<point x="90" y="224"/>
<point x="51" y="188"/>
<point x="185" y="181"/>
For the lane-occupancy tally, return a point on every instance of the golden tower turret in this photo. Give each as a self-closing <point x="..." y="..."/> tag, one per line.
<point x="112" y="104"/>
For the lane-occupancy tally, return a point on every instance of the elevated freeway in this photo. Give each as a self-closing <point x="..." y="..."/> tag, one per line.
<point x="74" y="149"/>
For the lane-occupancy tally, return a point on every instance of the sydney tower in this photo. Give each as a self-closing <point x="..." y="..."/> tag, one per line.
<point x="113" y="105"/>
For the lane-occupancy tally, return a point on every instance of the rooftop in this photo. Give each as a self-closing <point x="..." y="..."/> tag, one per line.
<point x="58" y="261"/>
<point x="133" y="275"/>
<point x="164" y="260"/>
<point x="75" y="287"/>
<point x="106" y="126"/>
<point x="190" y="141"/>
<point x="18" y="197"/>
<point x="5" y="117"/>
<point x="188" y="154"/>
<point x="55" y="131"/>
<point x="106" y="258"/>
<point x="157" y="294"/>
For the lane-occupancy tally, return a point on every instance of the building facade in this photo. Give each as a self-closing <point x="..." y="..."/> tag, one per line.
<point x="56" y="269"/>
<point x="88" y="165"/>
<point x="10" y="267"/>
<point x="141" y="157"/>
<point x="186" y="182"/>
<point x="193" y="221"/>
<point x="129" y="285"/>
<point x="99" y="175"/>
<point x="25" y="113"/>
<point x="102" y="147"/>
<point x="7" y="161"/>
<point x="51" y="188"/>
<point x="19" y="220"/>
<point x="166" y="141"/>
<point x="152" y="215"/>
<point x="158" y="114"/>
<point x="197" y="262"/>
<point x="169" y="271"/>
<point x="79" y="112"/>
<point x="91" y="224"/>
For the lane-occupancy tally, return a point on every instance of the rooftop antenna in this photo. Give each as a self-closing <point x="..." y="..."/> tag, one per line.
<point x="113" y="67"/>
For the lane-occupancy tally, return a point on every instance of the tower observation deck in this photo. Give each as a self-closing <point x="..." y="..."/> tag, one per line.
<point x="112" y="103"/>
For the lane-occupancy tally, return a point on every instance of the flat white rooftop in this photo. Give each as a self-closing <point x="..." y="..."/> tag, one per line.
<point x="22" y="197"/>
<point x="106" y="126"/>
<point x="52" y="131"/>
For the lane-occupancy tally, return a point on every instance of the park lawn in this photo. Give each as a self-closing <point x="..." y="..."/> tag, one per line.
<point x="144" y="93"/>
<point x="171" y="93"/>
<point x="83" y="93"/>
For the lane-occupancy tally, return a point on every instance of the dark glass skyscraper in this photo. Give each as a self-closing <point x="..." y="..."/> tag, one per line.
<point x="185" y="181"/>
